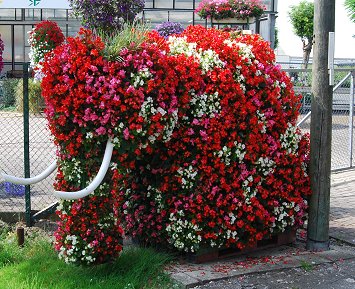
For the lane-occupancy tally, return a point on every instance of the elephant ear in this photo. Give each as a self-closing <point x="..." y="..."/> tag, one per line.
<point x="70" y="73"/>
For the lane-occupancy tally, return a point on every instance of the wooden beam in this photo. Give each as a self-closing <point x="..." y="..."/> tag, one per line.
<point x="321" y="128"/>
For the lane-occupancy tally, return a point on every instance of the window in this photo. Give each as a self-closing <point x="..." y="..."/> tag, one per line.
<point x="7" y="14"/>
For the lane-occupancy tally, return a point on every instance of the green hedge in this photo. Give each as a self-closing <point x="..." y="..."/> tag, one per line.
<point x="8" y="92"/>
<point x="36" y="101"/>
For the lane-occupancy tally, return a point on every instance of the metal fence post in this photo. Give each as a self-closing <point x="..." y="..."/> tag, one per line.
<point x="26" y="138"/>
<point x="351" y="119"/>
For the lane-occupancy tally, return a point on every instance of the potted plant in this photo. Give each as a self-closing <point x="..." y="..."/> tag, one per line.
<point x="230" y="11"/>
<point x="168" y="28"/>
<point x="106" y="15"/>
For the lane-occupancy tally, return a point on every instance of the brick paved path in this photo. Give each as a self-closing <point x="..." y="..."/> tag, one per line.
<point x="342" y="206"/>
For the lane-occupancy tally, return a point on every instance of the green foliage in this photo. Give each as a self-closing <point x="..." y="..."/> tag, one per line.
<point x="301" y="17"/>
<point x="36" y="266"/>
<point x="11" y="95"/>
<point x="8" y="92"/>
<point x="11" y="253"/>
<point x="304" y="79"/>
<point x="131" y="36"/>
<point x="4" y="229"/>
<point x="306" y="266"/>
<point x="339" y="76"/>
<point x="35" y="100"/>
<point x="350" y="7"/>
<point x="276" y="42"/>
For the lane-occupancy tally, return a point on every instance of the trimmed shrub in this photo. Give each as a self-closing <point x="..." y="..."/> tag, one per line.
<point x="8" y="92"/>
<point x="36" y="102"/>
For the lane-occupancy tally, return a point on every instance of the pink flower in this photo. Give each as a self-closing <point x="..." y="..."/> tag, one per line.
<point x="101" y="130"/>
<point x="203" y="134"/>
<point x="190" y="131"/>
<point x="126" y="133"/>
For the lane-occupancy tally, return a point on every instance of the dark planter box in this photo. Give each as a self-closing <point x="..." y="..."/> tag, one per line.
<point x="212" y="254"/>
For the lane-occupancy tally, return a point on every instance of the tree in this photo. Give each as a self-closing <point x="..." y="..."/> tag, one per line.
<point x="301" y="17"/>
<point x="276" y="42"/>
<point x="350" y="6"/>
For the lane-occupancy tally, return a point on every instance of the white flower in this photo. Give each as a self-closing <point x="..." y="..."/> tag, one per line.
<point x="205" y="104"/>
<point x="141" y="77"/>
<point x="184" y="235"/>
<point x="244" y="50"/>
<point x="208" y="59"/>
<point x="161" y="111"/>
<point x="188" y="176"/>
<point x="290" y="139"/>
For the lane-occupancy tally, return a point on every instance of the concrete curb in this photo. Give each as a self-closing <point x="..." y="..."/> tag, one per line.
<point x="188" y="275"/>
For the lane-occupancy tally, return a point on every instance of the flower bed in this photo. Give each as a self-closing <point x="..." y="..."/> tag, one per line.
<point x="206" y="148"/>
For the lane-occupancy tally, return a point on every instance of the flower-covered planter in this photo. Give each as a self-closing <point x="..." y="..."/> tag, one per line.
<point x="249" y="20"/>
<point x="206" y="148"/>
<point x="212" y="254"/>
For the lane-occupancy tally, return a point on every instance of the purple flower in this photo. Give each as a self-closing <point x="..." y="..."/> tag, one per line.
<point x="12" y="189"/>
<point x="106" y="14"/>
<point x="166" y="29"/>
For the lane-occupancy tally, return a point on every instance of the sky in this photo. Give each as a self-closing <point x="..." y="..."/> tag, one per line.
<point x="292" y="44"/>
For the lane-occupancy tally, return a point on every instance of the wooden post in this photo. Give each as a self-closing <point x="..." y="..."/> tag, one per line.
<point x="321" y="128"/>
<point x="20" y="236"/>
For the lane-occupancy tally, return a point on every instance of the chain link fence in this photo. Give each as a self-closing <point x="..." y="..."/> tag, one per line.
<point x="343" y="107"/>
<point x="20" y="121"/>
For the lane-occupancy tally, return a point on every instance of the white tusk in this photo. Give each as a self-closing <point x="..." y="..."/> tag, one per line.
<point x="30" y="181"/>
<point x="95" y="182"/>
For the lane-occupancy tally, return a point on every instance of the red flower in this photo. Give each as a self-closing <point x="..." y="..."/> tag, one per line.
<point x="206" y="152"/>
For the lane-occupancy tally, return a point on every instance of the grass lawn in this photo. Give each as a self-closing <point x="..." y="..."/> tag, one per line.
<point x="36" y="266"/>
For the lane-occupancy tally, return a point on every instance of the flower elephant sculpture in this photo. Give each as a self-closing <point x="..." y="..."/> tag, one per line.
<point x="201" y="143"/>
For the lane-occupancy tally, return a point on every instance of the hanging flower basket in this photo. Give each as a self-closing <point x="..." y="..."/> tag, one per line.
<point x="224" y="9"/>
<point x="233" y="20"/>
